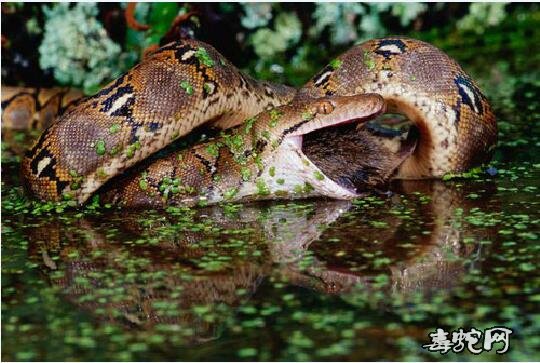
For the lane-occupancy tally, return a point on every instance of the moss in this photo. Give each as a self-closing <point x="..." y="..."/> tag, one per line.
<point x="275" y="116"/>
<point x="245" y="172"/>
<point x="76" y="179"/>
<point x="234" y="142"/>
<point x="187" y="87"/>
<point x="130" y="150"/>
<point x="230" y="193"/>
<point x="262" y="188"/>
<point x="212" y="149"/>
<point x="143" y="182"/>
<point x="369" y="62"/>
<point x="307" y="116"/>
<point x="336" y="64"/>
<point x="473" y="173"/>
<point x="100" y="147"/>
<point x="308" y="188"/>
<point x="203" y="57"/>
<point x="248" y="125"/>
<point x="114" y="129"/>
<point x="114" y="150"/>
<point x="265" y="135"/>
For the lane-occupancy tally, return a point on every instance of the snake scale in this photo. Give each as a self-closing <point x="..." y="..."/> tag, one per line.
<point x="287" y="143"/>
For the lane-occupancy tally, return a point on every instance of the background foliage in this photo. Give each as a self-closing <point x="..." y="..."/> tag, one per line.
<point x="86" y="45"/>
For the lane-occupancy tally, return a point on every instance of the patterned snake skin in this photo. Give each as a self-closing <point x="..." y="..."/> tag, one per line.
<point x="188" y="83"/>
<point x="30" y="108"/>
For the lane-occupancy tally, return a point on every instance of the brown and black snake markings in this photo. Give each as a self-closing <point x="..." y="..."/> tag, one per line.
<point x="470" y="96"/>
<point x="286" y="152"/>
<point x="34" y="108"/>
<point x="389" y="47"/>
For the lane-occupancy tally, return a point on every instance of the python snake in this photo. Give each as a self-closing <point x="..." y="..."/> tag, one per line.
<point x="281" y="147"/>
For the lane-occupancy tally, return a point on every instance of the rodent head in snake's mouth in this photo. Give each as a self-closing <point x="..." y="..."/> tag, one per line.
<point x="337" y="156"/>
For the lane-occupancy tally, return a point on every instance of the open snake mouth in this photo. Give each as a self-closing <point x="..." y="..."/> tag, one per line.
<point x="361" y="156"/>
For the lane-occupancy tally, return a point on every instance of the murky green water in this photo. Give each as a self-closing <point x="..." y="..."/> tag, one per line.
<point x="311" y="280"/>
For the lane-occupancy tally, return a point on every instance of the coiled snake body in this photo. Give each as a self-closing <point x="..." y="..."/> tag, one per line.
<point x="282" y="148"/>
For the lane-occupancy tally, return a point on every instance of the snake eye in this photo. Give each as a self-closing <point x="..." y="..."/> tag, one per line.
<point x="325" y="107"/>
